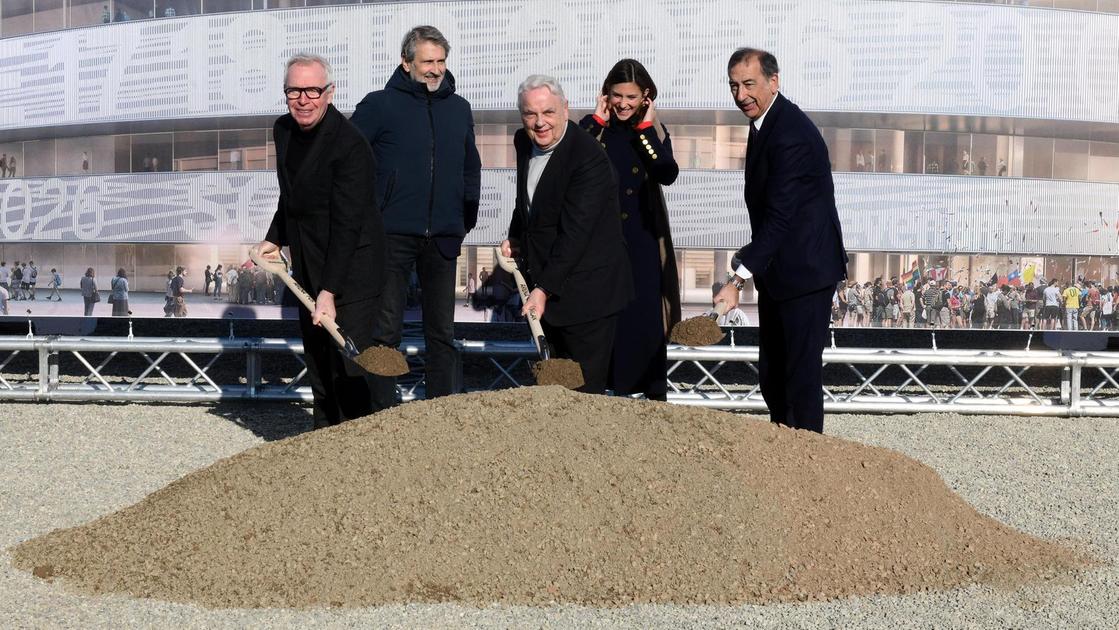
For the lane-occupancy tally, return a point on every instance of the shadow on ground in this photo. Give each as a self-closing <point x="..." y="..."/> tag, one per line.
<point x="270" y="421"/>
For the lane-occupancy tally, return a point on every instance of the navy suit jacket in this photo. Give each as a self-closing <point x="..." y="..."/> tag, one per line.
<point x="796" y="245"/>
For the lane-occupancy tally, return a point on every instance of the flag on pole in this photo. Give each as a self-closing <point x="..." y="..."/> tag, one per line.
<point x="1029" y="274"/>
<point x="911" y="277"/>
<point x="1014" y="278"/>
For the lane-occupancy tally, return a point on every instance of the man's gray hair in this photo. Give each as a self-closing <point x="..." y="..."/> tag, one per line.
<point x="422" y="34"/>
<point x="302" y="59"/>
<point x="538" y="81"/>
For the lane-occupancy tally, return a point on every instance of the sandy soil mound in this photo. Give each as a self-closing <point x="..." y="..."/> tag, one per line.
<point x="536" y="495"/>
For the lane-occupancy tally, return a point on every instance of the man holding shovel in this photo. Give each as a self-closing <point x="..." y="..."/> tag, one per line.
<point x="796" y="253"/>
<point x="328" y="217"/>
<point x="566" y="232"/>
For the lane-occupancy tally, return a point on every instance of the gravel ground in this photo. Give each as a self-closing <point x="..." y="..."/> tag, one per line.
<point x="63" y="465"/>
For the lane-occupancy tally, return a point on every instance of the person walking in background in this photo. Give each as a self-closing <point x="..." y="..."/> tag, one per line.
<point x="32" y="279"/>
<point x="471" y="288"/>
<point x="218" y="279"/>
<point x="232" y="278"/>
<point x="17" y="282"/>
<point x="796" y="252"/>
<point x="55" y="284"/>
<point x="178" y="292"/>
<point x="89" y="291"/>
<point x="428" y="176"/>
<point x="908" y="307"/>
<point x="5" y="275"/>
<point x="3" y="300"/>
<point x="118" y="293"/>
<point x="207" y="278"/>
<point x="625" y="123"/>
<point x="1071" y="296"/>
<point x="168" y="299"/>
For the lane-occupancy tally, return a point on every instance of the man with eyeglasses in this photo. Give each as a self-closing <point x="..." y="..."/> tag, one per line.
<point x="329" y="219"/>
<point x="428" y="186"/>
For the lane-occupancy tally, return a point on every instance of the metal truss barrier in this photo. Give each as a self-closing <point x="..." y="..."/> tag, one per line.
<point x="874" y="380"/>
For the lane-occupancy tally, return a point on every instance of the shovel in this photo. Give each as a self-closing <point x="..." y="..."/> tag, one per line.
<point x="375" y="360"/>
<point x="549" y="371"/>
<point x="700" y="330"/>
<point x="510" y="265"/>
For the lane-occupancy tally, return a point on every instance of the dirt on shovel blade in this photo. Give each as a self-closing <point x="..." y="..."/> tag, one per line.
<point x="542" y="496"/>
<point x="382" y="361"/>
<point x="697" y="331"/>
<point x="562" y="372"/>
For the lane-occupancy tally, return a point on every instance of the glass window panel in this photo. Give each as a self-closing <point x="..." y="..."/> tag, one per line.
<point x="828" y="134"/>
<point x="1104" y="162"/>
<point x="861" y="150"/>
<point x="242" y="149"/>
<point x="278" y="4"/>
<point x="1107" y="6"/>
<point x="86" y="12"/>
<point x="495" y="145"/>
<point x="126" y="10"/>
<point x="320" y="3"/>
<point x="50" y="15"/>
<point x="85" y="156"/>
<point x="944" y="152"/>
<point x="226" y="6"/>
<point x="1080" y="5"/>
<point x="889" y="146"/>
<point x="10" y="151"/>
<point x="176" y="8"/>
<point x="1071" y="159"/>
<point x="914" y="152"/>
<point x="984" y="150"/>
<point x="122" y="154"/>
<point x="18" y="17"/>
<point x="1037" y="157"/>
<point x="270" y="150"/>
<point x="196" y="151"/>
<point x="151" y="152"/>
<point x="38" y="159"/>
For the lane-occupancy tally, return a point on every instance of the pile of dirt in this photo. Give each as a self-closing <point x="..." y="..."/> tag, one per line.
<point x="562" y="372"/>
<point x="541" y="495"/>
<point x="697" y="331"/>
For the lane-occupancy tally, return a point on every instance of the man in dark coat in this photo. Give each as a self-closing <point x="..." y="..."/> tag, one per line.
<point x="428" y="187"/>
<point x="796" y="253"/>
<point x="566" y="232"/>
<point x="328" y="217"/>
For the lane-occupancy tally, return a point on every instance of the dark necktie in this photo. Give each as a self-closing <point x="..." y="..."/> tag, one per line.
<point x="750" y="140"/>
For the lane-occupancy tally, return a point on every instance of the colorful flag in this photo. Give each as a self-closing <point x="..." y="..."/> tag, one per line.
<point x="1014" y="278"/>
<point x="937" y="273"/>
<point x="1028" y="276"/>
<point x="911" y="277"/>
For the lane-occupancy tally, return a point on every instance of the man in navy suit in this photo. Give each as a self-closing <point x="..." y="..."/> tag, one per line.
<point x="796" y="253"/>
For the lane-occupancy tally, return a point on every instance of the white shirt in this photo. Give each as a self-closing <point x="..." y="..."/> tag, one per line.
<point x="1052" y="296"/>
<point x="734" y="317"/>
<point x="537" y="163"/>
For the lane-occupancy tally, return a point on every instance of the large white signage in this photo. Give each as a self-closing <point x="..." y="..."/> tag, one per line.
<point x="852" y="56"/>
<point x="878" y="211"/>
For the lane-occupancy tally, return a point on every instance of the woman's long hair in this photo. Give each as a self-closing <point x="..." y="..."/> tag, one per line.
<point x="630" y="71"/>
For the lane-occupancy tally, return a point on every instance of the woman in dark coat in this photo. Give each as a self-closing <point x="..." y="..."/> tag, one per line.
<point x="625" y="122"/>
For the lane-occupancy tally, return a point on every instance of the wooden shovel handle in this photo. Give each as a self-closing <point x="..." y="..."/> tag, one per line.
<point x="280" y="269"/>
<point x="510" y="265"/>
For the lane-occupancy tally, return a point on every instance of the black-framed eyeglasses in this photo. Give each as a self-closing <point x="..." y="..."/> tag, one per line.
<point x="312" y="92"/>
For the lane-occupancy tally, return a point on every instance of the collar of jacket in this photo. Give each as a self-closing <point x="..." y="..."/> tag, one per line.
<point x="403" y="82"/>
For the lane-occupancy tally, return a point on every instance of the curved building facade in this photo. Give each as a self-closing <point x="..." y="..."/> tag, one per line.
<point x="974" y="137"/>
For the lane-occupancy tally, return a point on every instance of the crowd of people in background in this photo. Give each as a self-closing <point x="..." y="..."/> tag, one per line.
<point x="1071" y="305"/>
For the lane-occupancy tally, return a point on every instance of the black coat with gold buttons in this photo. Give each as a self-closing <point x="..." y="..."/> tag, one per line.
<point x="643" y="162"/>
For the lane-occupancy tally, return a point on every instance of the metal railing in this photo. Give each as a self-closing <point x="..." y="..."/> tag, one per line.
<point x="862" y="380"/>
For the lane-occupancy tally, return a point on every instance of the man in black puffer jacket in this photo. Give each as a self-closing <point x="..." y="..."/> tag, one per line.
<point x="428" y="186"/>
